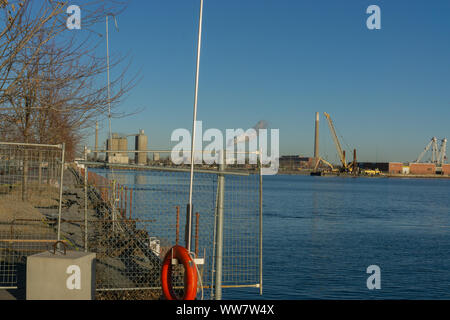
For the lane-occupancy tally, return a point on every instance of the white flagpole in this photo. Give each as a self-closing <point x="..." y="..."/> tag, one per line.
<point x="189" y="222"/>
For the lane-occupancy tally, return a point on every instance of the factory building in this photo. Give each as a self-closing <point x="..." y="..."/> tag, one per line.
<point x="446" y="169"/>
<point x="422" y="168"/>
<point x="141" y="141"/>
<point x="296" y="162"/>
<point x="396" y="167"/>
<point x="118" y="143"/>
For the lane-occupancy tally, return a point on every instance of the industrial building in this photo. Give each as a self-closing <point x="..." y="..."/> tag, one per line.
<point x="295" y="162"/>
<point x="141" y="142"/>
<point x="407" y="168"/>
<point x="118" y="143"/>
<point x="422" y="168"/>
<point x="446" y="169"/>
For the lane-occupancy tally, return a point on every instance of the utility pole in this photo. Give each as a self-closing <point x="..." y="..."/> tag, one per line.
<point x="96" y="141"/>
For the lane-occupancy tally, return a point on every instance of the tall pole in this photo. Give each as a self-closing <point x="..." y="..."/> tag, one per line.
<point x="219" y="228"/>
<point x="260" y="224"/>
<point x="316" y="141"/>
<point x="63" y="150"/>
<point x="109" y="85"/>
<point x="197" y="73"/>
<point x="85" y="201"/>
<point x="109" y="110"/>
<point x="96" y="141"/>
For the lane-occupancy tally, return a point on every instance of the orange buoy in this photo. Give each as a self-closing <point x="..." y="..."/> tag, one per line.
<point x="190" y="273"/>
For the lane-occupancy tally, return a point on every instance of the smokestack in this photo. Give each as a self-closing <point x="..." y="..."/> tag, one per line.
<point x="96" y="141"/>
<point x="316" y="140"/>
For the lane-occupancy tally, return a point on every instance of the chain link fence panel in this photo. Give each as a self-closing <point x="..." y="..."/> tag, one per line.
<point x="29" y="184"/>
<point x="142" y="213"/>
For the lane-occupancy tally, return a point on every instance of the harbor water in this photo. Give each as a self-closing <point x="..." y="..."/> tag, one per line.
<point x="321" y="234"/>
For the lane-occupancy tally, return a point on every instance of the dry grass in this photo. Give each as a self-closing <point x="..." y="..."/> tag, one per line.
<point x="15" y="209"/>
<point x="38" y="195"/>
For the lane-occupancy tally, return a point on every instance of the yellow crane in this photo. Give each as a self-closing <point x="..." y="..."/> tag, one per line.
<point x="320" y="159"/>
<point x="345" y="167"/>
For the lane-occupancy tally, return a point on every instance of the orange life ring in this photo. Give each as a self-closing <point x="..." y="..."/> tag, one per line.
<point x="190" y="273"/>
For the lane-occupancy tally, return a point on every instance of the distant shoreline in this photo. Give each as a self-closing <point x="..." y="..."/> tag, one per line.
<point x="401" y="176"/>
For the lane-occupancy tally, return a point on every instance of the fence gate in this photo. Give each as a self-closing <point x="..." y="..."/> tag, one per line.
<point x="30" y="205"/>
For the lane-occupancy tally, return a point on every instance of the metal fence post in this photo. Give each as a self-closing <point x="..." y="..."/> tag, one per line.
<point x="219" y="230"/>
<point x="63" y="149"/>
<point x="260" y="225"/>
<point x="85" y="201"/>
<point x="25" y="175"/>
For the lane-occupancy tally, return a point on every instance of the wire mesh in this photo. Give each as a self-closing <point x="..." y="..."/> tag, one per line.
<point x="29" y="188"/>
<point x="142" y="213"/>
<point x="132" y="217"/>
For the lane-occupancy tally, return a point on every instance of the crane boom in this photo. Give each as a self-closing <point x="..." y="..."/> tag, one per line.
<point x="442" y="152"/>
<point x="432" y="143"/>
<point x="320" y="159"/>
<point x="336" y="140"/>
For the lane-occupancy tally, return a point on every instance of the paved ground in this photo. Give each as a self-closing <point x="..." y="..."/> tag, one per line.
<point x="6" y="295"/>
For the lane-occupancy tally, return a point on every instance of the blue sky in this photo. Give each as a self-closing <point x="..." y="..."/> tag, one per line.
<point x="281" y="61"/>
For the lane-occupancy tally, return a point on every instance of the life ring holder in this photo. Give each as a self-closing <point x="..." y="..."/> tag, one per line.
<point x="190" y="272"/>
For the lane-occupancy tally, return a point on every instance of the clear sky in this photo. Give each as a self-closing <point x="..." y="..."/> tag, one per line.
<point x="281" y="61"/>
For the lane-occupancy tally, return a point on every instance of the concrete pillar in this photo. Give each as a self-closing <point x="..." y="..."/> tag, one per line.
<point x="60" y="276"/>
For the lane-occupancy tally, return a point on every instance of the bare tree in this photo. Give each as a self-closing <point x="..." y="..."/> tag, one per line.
<point x="58" y="79"/>
<point x="52" y="82"/>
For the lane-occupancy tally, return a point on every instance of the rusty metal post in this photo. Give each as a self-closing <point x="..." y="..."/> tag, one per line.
<point x="131" y="201"/>
<point x="197" y="220"/>
<point x="177" y="239"/>
<point x="126" y="203"/>
<point x="187" y="230"/>
<point x="121" y="202"/>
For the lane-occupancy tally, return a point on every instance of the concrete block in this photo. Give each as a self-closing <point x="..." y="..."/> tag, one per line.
<point x="60" y="276"/>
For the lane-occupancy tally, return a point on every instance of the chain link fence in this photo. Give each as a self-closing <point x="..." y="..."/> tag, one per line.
<point x="135" y="214"/>
<point x="30" y="186"/>
<point x="130" y="216"/>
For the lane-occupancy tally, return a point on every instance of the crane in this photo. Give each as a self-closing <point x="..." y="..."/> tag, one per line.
<point x="341" y="153"/>
<point x="320" y="159"/>
<point x="438" y="155"/>
<point x="319" y="173"/>
<point x="442" y="153"/>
